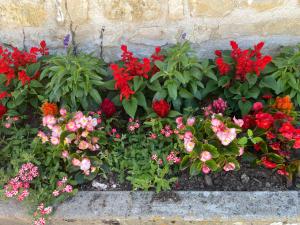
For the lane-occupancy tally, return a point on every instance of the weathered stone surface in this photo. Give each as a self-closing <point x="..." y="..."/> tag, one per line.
<point x="132" y="10"/>
<point x="77" y="10"/>
<point x="176" y="9"/>
<point x="22" y="13"/>
<point x="182" y="208"/>
<point x="212" y="8"/>
<point x="262" y="5"/>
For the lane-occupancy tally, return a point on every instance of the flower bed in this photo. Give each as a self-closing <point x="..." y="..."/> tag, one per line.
<point x="169" y="121"/>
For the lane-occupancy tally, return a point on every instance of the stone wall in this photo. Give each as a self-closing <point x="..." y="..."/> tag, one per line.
<point x="142" y="24"/>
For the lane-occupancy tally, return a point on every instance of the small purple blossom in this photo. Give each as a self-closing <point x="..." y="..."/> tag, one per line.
<point x="66" y="40"/>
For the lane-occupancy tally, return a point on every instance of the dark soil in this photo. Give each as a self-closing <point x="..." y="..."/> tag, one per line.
<point x="246" y="179"/>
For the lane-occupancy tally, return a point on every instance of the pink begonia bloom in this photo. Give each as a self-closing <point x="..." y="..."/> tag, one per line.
<point x="89" y="127"/>
<point x="113" y="130"/>
<point x="76" y="162"/>
<point x="49" y="121"/>
<point x="190" y="121"/>
<point x="71" y="126"/>
<point x="40" y="221"/>
<point x="189" y="146"/>
<point x="179" y="120"/>
<point x="84" y="133"/>
<point x="188" y="135"/>
<point x="130" y="120"/>
<point x="226" y="136"/>
<point x="83" y="145"/>
<point x="65" y="154"/>
<point x="238" y="122"/>
<point x="63" y="112"/>
<point x="46" y="211"/>
<point x="85" y="164"/>
<point x="205" y="155"/>
<point x="54" y="140"/>
<point x="131" y="128"/>
<point x="68" y="188"/>
<point x="78" y="115"/>
<point x="43" y="136"/>
<point x="217" y="125"/>
<point x="229" y="166"/>
<point x="7" y="125"/>
<point x="205" y="169"/>
<point x="83" y="121"/>
<point x="55" y="193"/>
<point x="56" y="131"/>
<point x="67" y="140"/>
<point x="16" y="118"/>
<point x="241" y="151"/>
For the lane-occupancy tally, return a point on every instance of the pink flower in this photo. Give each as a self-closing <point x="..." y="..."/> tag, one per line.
<point x="49" y="121"/>
<point x="43" y="136"/>
<point x="188" y="135"/>
<point x="68" y="188"/>
<point x="226" y="136"/>
<point x="219" y="105"/>
<point x="85" y="164"/>
<point x="63" y="112"/>
<point x="65" y="154"/>
<point x="54" y="140"/>
<point x="154" y="157"/>
<point x="56" y="131"/>
<point x="229" y="166"/>
<point x="189" y="146"/>
<point x="217" y="125"/>
<point x="78" y="115"/>
<point x="83" y="145"/>
<point x="241" y="151"/>
<point x="191" y="121"/>
<point x="153" y="136"/>
<point x="76" y="162"/>
<point x="40" y="221"/>
<point x="257" y="106"/>
<point x="55" y="193"/>
<point x="205" y="155"/>
<point x="205" y="169"/>
<point x="71" y="126"/>
<point x="7" y="125"/>
<point x="179" y="120"/>
<point x="239" y="122"/>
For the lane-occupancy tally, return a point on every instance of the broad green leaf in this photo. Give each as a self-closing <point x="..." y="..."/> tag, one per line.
<point x="130" y="106"/>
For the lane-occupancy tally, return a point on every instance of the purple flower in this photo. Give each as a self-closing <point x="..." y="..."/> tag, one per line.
<point x="66" y="40"/>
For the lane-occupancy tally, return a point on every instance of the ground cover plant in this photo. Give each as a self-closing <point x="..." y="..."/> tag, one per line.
<point x="69" y="119"/>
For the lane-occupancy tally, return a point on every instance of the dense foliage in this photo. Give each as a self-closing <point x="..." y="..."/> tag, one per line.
<point x="66" y="119"/>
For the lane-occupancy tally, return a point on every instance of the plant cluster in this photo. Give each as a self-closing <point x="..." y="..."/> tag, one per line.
<point x="66" y="119"/>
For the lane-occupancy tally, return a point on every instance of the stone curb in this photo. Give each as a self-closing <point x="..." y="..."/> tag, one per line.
<point x="178" y="208"/>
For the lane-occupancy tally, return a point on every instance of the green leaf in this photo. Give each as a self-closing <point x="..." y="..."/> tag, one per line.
<point x="212" y="149"/>
<point x="36" y="84"/>
<point x="252" y="79"/>
<point x="137" y="82"/>
<point x="141" y="100"/>
<point x="211" y="75"/>
<point x="245" y="107"/>
<point x="32" y="69"/>
<point x="195" y="168"/>
<point x="172" y="89"/>
<point x="252" y="93"/>
<point x="156" y="76"/>
<point x="250" y="133"/>
<point x="173" y="113"/>
<point x="185" y="94"/>
<point x="212" y="164"/>
<point x="184" y="162"/>
<point x="130" y="106"/>
<point x="243" y="141"/>
<point x="95" y="95"/>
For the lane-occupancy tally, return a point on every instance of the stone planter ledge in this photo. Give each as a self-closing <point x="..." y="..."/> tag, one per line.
<point x="174" y="208"/>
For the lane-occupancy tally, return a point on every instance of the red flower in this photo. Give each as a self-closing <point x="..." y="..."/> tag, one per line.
<point x="264" y="120"/>
<point x="23" y="77"/>
<point x="249" y="122"/>
<point x="268" y="164"/>
<point x="3" y="110"/>
<point x="4" y="94"/>
<point x="257" y="106"/>
<point x="270" y="135"/>
<point x="282" y="172"/>
<point x="223" y="67"/>
<point x="257" y="147"/>
<point x="161" y="108"/>
<point x="287" y="130"/>
<point x="297" y="143"/>
<point x="275" y="146"/>
<point x="267" y="96"/>
<point x="108" y="107"/>
<point x="282" y="116"/>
